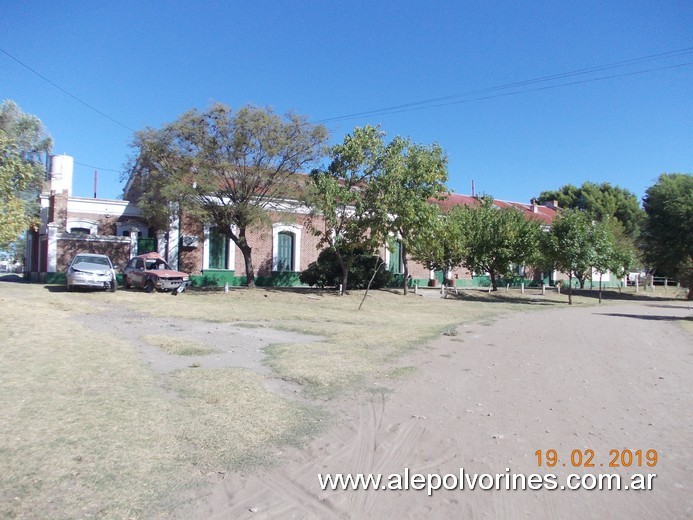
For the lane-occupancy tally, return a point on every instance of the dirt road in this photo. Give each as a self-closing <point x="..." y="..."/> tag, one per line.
<point x="615" y="377"/>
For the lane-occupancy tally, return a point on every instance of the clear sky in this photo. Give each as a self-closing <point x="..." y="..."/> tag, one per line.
<point x="143" y="63"/>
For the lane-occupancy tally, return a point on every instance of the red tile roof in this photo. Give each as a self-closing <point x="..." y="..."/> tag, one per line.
<point x="543" y="214"/>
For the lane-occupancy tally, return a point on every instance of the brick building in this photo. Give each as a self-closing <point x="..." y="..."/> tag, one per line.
<point x="280" y="250"/>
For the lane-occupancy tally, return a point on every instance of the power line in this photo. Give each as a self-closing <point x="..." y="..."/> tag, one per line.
<point x="66" y="92"/>
<point x="438" y="101"/>
<point x="99" y="168"/>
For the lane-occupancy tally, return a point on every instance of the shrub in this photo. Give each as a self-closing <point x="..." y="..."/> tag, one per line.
<point x="325" y="272"/>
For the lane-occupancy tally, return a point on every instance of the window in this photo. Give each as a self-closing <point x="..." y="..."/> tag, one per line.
<point x="286" y="247"/>
<point x="218" y="249"/>
<point x="285" y="251"/>
<point x="82" y="226"/>
<point x="395" y="264"/>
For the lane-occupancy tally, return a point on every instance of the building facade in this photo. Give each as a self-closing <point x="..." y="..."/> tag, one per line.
<point x="280" y="250"/>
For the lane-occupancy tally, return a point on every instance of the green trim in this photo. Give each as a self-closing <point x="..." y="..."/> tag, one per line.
<point x="56" y="278"/>
<point x="217" y="278"/>
<point x="279" y="279"/>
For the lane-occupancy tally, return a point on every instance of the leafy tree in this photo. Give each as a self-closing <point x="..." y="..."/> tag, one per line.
<point x="600" y="201"/>
<point x="227" y="168"/>
<point x="23" y="145"/>
<point x="495" y="238"/>
<point x="440" y="245"/>
<point x="625" y="251"/>
<point x="569" y="245"/>
<point x="327" y="272"/>
<point x="413" y="175"/>
<point x="343" y="217"/>
<point x="668" y="233"/>
<point x="603" y="257"/>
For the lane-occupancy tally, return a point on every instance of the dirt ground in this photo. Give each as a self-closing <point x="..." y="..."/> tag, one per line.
<point x="615" y="377"/>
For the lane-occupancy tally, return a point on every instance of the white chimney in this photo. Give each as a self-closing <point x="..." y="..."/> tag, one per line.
<point x="62" y="167"/>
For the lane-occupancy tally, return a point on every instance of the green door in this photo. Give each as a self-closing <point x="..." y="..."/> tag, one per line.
<point x="146" y="245"/>
<point x="285" y="252"/>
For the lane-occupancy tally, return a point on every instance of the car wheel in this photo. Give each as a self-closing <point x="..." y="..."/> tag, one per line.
<point x="126" y="284"/>
<point x="149" y="286"/>
<point x="69" y="287"/>
<point x="114" y="286"/>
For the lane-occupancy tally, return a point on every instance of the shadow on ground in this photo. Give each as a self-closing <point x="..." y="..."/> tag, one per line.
<point x="646" y="316"/>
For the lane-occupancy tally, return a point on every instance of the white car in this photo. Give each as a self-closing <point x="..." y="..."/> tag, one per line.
<point x="92" y="271"/>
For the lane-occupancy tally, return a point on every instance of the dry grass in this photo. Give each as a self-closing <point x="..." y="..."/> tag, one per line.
<point x="178" y="347"/>
<point x="89" y="431"/>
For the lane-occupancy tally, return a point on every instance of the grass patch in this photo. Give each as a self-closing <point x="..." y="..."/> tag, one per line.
<point x="401" y="372"/>
<point x="178" y="347"/>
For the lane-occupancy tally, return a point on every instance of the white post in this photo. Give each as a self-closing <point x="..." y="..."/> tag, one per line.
<point x="637" y="281"/>
<point x="416" y="288"/>
<point x="507" y="287"/>
<point x="522" y="287"/>
<point x="543" y="288"/>
<point x="161" y="243"/>
<point x="52" y="249"/>
<point x="133" y="242"/>
<point x="226" y="287"/>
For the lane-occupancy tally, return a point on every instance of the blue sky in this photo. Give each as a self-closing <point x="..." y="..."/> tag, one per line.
<point x="145" y="63"/>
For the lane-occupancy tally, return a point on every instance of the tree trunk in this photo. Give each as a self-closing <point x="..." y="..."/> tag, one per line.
<point x="249" y="270"/>
<point x="581" y="279"/>
<point x="246" y="250"/>
<point x="345" y="272"/>
<point x="494" y="282"/>
<point x="405" y="269"/>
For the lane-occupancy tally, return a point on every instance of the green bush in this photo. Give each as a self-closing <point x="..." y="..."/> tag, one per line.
<point x="325" y="272"/>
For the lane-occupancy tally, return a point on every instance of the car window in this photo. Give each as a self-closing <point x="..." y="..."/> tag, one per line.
<point x="156" y="264"/>
<point x="98" y="260"/>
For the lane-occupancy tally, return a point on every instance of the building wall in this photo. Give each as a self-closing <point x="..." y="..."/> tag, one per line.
<point x="117" y="248"/>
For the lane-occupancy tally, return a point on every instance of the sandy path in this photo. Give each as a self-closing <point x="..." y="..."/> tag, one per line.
<point x="603" y="378"/>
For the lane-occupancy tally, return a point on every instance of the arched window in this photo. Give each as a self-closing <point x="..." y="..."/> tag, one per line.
<point x="286" y="247"/>
<point x="80" y="231"/>
<point x="285" y="251"/>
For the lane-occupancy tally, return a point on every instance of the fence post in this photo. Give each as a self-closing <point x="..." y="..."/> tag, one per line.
<point x="522" y="287"/>
<point x="507" y="287"/>
<point x="543" y="288"/>
<point x="416" y="288"/>
<point x="637" y="278"/>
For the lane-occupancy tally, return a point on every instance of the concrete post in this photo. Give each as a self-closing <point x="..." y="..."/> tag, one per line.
<point x="161" y="243"/>
<point x="133" y="242"/>
<point x="52" y="248"/>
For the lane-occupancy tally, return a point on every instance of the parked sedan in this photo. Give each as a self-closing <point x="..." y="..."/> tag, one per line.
<point x="151" y="272"/>
<point x="92" y="271"/>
